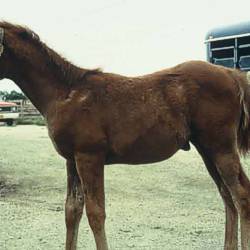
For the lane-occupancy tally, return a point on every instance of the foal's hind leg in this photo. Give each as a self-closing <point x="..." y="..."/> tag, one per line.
<point x="229" y="167"/>
<point x="73" y="206"/>
<point x="231" y="227"/>
<point x="90" y="167"/>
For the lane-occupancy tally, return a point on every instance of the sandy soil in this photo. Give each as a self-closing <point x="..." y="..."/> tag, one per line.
<point x="170" y="205"/>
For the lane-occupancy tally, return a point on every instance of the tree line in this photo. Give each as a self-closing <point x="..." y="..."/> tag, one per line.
<point x="12" y="95"/>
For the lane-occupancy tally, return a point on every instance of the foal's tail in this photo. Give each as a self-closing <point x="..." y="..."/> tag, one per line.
<point x="243" y="133"/>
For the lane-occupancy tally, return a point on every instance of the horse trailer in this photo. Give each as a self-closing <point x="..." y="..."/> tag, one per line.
<point x="229" y="46"/>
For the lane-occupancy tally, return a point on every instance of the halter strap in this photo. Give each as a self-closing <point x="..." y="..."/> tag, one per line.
<point x="1" y="40"/>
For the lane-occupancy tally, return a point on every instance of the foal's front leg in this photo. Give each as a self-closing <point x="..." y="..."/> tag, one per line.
<point x="90" y="167"/>
<point x="73" y="206"/>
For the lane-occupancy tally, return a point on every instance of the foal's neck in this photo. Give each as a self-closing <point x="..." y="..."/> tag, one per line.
<point x="40" y="81"/>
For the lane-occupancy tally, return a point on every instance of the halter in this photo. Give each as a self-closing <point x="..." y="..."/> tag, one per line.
<point x="1" y="40"/>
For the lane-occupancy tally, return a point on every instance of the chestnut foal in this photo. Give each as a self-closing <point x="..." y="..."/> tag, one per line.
<point x="97" y="118"/>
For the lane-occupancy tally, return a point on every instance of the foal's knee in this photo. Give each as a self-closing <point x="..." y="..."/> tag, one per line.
<point x="96" y="215"/>
<point x="73" y="210"/>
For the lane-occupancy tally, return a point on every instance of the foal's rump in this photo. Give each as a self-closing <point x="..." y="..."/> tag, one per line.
<point x="219" y="106"/>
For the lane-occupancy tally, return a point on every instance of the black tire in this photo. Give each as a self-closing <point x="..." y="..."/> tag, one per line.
<point x="9" y="122"/>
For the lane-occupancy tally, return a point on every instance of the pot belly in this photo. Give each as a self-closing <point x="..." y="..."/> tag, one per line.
<point x="146" y="149"/>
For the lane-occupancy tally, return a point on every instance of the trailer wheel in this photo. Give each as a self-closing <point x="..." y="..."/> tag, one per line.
<point x="10" y="122"/>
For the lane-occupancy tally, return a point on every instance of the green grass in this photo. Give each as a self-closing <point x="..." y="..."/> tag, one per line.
<point x="169" y="205"/>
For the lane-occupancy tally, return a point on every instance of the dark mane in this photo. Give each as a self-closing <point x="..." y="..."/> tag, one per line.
<point x="65" y="70"/>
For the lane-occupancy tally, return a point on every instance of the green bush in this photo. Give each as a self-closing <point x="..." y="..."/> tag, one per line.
<point x="37" y="120"/>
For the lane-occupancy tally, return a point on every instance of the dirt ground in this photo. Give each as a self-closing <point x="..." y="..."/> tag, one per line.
<point x="169" y="205"/>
